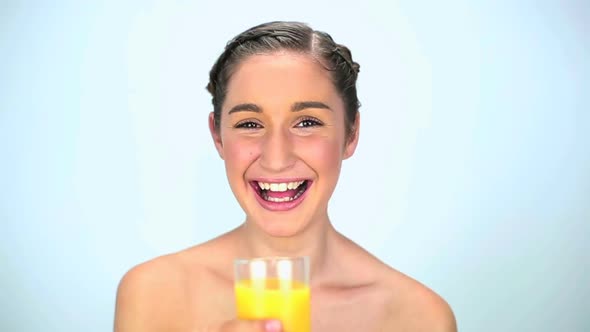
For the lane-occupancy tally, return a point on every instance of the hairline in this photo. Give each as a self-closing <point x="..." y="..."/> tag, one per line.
<point x="310" y="54"/>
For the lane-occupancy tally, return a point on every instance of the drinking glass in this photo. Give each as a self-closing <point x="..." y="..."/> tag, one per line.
<point x="274" y="288"/>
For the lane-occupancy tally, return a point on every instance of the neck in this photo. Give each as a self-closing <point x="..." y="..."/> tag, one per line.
<point x="313" y="242"/>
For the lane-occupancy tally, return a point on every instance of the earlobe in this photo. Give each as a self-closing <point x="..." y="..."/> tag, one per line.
<point x="352" y="140"/>
<point x="215" y="134"/>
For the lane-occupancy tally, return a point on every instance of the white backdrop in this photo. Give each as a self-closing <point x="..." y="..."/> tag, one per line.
<point x="472" y="173"/>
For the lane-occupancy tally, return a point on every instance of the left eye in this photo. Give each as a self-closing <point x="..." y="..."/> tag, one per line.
<point x="305" y="123"/>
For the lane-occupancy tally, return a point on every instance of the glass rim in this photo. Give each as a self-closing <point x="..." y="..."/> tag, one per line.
<point x="242" y="261"/>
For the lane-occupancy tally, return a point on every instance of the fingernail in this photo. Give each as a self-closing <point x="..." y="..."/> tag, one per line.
<point x="272" y="326"/>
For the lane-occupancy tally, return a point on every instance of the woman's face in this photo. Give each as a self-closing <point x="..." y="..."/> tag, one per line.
<point x="282" y="137"/>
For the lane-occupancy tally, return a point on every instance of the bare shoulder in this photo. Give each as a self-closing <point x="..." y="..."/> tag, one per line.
<point x="407" y="304"/>
<point x="416" y="307"/>
<point x="149" y="294"/>
<point x="159" y="295"/>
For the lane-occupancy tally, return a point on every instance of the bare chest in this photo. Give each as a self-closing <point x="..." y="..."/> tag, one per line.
<point x="361" y="311"/>
<point x="343" y="313"/>
<point x="210" y="305"/>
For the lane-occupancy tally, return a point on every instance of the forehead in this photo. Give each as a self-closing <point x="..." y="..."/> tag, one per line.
<point x="280" y="79"/>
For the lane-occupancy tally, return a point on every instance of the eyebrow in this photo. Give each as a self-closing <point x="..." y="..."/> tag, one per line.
<point x="298" y="106"/>
<point x="245" y="107"/>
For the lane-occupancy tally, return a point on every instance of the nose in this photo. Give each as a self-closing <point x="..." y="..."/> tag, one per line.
<point x="277" y="151"/>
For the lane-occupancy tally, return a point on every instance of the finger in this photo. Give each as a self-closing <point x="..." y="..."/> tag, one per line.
<point x="252" y="326"/>
<point x="273" y="326"/>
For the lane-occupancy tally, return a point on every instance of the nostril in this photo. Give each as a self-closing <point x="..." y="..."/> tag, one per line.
<point x="277" y="154"/>
<point x="277" y="163"/>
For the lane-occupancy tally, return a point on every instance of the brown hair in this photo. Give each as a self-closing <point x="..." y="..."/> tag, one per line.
<point x="291" y="36"/>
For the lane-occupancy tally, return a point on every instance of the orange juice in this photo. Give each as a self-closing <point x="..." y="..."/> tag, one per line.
<point x="286" y="300"/>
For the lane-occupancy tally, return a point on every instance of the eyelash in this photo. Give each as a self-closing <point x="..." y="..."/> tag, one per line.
<point x="248" y="125"/>
<point x="311" y="122"/>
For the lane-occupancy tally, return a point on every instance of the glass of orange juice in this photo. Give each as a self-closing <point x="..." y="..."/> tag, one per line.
<point x="274" y="288"/>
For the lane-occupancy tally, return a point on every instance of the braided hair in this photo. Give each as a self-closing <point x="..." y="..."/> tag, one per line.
<point x="290" y="36"/>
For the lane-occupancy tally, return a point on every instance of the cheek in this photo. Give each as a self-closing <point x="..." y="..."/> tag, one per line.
<point x="239" y="153"/>
<point x="323" y="154"/>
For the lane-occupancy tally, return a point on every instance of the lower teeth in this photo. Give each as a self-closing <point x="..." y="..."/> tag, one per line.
<point x="279" y="200"/>
<point x="282" y="199"/>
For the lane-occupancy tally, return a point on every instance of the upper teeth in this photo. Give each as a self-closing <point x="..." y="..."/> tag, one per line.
<point x="279" y="186"/>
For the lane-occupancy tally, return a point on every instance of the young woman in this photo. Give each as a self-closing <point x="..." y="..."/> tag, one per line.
<point x="285" y="116"/>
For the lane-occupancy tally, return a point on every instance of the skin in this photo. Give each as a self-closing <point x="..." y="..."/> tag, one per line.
<point x="192" y="290"/>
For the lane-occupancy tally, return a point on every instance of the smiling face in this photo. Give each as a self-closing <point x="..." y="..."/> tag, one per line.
<point x="282" y="137"/>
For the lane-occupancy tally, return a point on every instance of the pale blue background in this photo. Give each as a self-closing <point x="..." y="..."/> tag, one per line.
<point x="472" y="174"/>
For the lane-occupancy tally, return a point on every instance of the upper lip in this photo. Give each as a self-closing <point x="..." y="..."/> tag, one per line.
<point x="279" y="180"/>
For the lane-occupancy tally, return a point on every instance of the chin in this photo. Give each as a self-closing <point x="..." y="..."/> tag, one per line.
<point x="280" y="226"/>
<point x="282" y="219"/>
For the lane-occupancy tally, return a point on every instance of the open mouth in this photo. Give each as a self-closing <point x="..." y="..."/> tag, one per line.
<point x="280" y="192"/>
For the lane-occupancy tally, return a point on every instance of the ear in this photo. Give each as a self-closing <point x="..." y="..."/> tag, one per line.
<point x="353" y="139"/>
<point x="216" y="135"/>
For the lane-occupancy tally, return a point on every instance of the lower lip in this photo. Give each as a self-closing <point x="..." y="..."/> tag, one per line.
<point x="282" y="206"/>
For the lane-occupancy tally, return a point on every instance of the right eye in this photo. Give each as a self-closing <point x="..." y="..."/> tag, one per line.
<point x="248" y="125"/>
